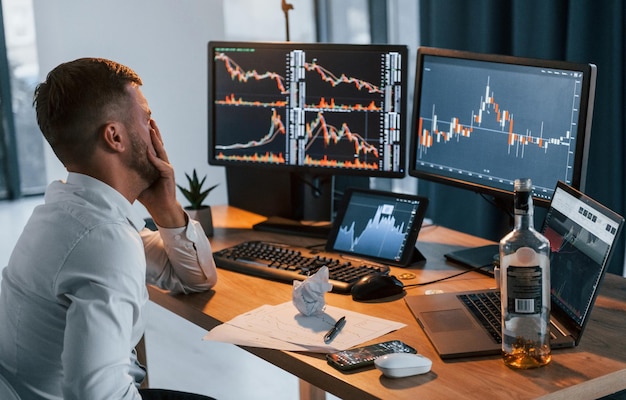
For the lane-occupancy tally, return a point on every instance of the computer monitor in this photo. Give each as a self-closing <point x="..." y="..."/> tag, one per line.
<point x="278" y="109"/>
<point x="482" y="120"/>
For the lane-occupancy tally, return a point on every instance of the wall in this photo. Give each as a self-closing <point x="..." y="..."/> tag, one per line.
<point x="165" y="42"/>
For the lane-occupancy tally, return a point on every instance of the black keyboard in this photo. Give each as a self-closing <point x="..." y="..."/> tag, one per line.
<point x="287" y="263"/>
<point x="486" y="307"/>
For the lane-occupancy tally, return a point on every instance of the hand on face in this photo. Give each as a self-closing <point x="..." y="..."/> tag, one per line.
<point x="160" y="197"/>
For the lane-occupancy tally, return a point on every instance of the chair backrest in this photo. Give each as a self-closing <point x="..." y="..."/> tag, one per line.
<point x="6" y="390"/>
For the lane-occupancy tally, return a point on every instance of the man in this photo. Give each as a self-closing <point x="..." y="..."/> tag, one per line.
<point x="73" y="294"/>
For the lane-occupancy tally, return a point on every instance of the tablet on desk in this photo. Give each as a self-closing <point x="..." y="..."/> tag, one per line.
<point x="378" y="225"/>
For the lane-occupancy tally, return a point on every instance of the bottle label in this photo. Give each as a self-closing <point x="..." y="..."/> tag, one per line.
<point x="524" y="289"/>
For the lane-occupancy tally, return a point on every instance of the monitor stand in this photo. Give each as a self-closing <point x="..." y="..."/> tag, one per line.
<point x="479" y="258"/>
<point x="316" y="229"/>
<point x="296" y="203"/>
<point x="482" y="258"/>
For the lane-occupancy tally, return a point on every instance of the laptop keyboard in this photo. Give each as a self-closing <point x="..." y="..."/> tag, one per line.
<point x="486" y="307"/>
<point x="285" y="263"/>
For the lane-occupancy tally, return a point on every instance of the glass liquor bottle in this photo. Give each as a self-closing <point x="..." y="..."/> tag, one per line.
<point x="525" y="287"/>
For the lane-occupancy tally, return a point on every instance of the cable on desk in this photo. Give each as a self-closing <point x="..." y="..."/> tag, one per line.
<point x="445" y="278"/>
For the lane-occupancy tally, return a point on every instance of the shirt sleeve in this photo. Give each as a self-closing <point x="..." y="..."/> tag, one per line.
<point x="179" y="259"/>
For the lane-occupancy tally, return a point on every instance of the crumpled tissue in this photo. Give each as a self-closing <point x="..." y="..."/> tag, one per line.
<point x="308" y="295"/>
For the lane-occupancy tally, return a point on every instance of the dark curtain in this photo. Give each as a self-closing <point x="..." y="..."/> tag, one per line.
<point x="584" y="31"/>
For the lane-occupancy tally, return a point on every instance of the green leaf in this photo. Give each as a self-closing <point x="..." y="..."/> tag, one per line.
<point x="194" y="193"/>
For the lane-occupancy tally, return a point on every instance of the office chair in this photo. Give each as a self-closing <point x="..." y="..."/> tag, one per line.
<point x="6" y="390"/>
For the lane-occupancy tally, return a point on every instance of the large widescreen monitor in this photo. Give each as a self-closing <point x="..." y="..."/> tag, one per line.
<point x="306" y="109"/>
<point x="325" y="107"/>
<point x="480" y="121"/>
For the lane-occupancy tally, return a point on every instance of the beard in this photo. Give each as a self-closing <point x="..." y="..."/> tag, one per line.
<point x="139" y="161"/>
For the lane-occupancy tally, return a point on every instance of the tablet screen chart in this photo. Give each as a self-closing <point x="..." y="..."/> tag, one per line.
<point x="378" y="230"/>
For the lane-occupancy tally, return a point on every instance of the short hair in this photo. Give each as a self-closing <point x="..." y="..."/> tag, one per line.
<point x="77" y="99"/>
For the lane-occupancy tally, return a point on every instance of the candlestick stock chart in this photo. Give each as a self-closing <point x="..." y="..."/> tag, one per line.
<point x="504" y="123"/>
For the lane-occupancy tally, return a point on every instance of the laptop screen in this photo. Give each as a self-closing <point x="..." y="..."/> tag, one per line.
<point x="581" y="233"/>
<point x="379" y="225"/>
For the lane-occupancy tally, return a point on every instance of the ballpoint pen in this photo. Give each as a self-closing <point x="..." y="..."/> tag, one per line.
<point x="334" y="330"/>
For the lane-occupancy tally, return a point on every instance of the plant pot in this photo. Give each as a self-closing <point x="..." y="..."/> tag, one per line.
<point x="204" y="216"/>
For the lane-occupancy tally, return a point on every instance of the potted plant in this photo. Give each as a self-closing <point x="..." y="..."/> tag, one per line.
<point x="196" y="195"/>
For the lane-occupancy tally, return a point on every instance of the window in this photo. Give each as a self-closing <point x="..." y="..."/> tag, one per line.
<point x="22" y="164"/>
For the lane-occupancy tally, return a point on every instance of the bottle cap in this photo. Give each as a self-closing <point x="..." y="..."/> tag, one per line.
<point x="523" y="199"/>
<point x="523" y="184"/>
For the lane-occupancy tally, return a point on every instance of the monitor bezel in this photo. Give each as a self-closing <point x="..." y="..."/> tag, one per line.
<point x="309" y="169"/>
<point x="584" y="121"/>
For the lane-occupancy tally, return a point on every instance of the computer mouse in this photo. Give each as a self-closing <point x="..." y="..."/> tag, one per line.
<point x="399" y="365"/>
<point x="372" y="287"/>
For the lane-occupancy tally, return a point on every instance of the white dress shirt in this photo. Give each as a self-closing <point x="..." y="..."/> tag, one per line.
<point x="74" y="292"/>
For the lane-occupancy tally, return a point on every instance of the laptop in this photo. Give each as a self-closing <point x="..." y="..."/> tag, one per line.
<point x="582" y="235"/>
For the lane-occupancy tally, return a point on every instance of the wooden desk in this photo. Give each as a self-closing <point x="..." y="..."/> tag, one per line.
<point x="597" y="366"/>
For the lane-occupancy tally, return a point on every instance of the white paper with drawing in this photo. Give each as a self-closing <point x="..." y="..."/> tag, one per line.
<point x="284" y="327"/>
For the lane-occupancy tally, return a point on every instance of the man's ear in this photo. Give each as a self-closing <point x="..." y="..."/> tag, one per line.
<point x="112" y="135"/>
